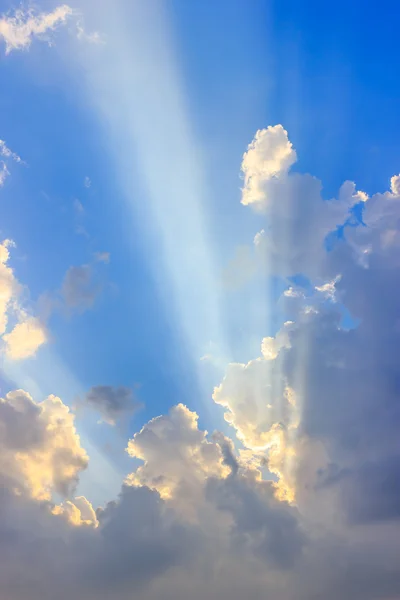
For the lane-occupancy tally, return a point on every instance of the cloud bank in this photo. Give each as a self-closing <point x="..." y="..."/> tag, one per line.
<point x="302" y="501"/>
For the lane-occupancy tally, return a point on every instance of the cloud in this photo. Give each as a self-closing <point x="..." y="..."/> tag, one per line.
<point x="79" y="288"/>
<point x="40" y="448"/>
<point x="302" y="502"/>
<point x="6" y="154"/>
<point x="92" y="38"/>
<point x="271" y="528"/>
<point x="103" y="257"/>
<point x="299" y="219"/>
<point x="19" y="30"/>
<point x="113" y="403"/>
<point x="28" y="334"/>
<point x="78" y="512"/>
<point x="177" y="456"/>
<point x="87" y="182"/>
<point x="270" y="155"/>
<point x="4" y="173"/>
<point x="24" y="340"/>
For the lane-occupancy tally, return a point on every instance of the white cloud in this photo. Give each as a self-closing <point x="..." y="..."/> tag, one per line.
<point x="395" y="185"/>
<point x="7" y="153"/>
<point x="28" y="334"/>
<point x="298" y="218"/>
<point x="25" y="339"/>
<point x="9" y="287"/>
<point x="269" y="155"/>
<point x="4" y="173"/>
<point x="92" y="38"/>
<point x="19" y="30"/>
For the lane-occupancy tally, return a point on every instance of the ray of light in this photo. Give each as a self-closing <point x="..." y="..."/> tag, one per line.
<point x="134" y="84"/>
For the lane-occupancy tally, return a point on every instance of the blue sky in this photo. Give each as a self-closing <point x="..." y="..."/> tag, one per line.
<point x="173" y="176"/>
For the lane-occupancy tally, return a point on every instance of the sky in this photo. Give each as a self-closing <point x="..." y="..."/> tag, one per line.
<point x="199" y="322"/>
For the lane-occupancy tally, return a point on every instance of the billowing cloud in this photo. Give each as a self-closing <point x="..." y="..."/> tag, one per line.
<point x="299" y="219"/>
<point x="176" y="454"/>
<point x="40" y="448"/>
<point x="113" y="403"/>
<point x="270" y="155"/>
<point x="302" y="501"/>
<point x="18" y="30"/>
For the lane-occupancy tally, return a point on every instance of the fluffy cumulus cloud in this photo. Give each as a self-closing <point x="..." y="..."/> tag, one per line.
<point x="298" y="218"/>
<point x="40" y="448"/>
<point x="302" y="499"/>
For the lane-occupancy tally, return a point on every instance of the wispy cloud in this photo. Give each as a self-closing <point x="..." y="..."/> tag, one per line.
<point x="19" y="29"/>
<point x="7" y="155"/>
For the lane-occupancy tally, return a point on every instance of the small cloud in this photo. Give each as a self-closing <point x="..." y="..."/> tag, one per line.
<point x="395" y="185"/>
<point x="25" y="339"/>
<point x="87" y="182"/>
<point x="103" y="257"/>
<point x="93" y="38"/>
<point x="113" y="403"/>
<point x="19" y="29"/>
<point x="79" y="214"/>
<point x="7" y="153"/>
<point x="78" y="289"/>
<point x="4" y="173"/>
<point x="78" y="207"/>
<point x="269" y="155"/>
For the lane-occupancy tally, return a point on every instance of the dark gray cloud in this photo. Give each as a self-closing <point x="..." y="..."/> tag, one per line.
<point x="269" y="528"/>
<point x="80" y="289"/>
<point x="113" y="403"/>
